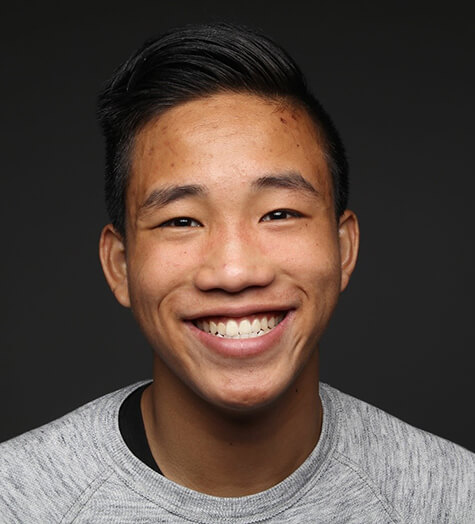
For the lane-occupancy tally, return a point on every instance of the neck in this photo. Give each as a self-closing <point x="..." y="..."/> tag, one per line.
<point x="226" y="454"/>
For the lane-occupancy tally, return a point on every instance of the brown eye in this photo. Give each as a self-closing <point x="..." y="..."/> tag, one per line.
<point x="181" y="222"/>
<point x="280" y="214"/>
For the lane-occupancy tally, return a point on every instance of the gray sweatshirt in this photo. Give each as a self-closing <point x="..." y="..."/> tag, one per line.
<point x="368" y="467"/>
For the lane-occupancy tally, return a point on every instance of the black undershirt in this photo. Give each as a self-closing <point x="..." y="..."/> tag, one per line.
<point x="132" y="428"/>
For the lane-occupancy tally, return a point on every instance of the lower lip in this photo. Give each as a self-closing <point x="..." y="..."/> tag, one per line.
<point x="242" y="347"/>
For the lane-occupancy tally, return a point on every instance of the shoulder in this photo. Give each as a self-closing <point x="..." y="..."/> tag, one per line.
<point x="423" y="476"/>
<point x="44" y="471"/>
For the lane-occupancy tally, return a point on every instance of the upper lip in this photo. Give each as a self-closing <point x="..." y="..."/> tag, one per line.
<point x="238" y="311"/>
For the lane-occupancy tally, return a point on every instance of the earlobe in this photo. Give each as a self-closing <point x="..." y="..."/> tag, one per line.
<point x="114" y="263"/>
<point x="349" y="235"/>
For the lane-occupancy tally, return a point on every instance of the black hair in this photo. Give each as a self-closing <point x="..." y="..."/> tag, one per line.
<point x="193" y="62"/>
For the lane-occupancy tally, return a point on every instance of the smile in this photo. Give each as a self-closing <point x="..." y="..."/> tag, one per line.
<point x="246" y="327"/>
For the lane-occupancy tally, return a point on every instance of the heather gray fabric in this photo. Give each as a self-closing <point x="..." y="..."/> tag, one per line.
<point x="368" y="467"/>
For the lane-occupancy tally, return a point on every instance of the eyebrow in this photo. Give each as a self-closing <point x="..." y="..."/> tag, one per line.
<point x="163" y="196"/>
<point x="166" y="195"/>
<point x="290" y="180"/>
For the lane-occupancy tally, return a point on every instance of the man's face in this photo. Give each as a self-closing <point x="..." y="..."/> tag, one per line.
<point x="234" y="258"/>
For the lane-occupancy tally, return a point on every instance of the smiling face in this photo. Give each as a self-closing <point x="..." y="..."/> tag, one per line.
<point x="234" y="258"/>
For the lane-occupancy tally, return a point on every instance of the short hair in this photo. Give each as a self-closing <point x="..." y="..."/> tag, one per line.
<point x="198" y="61"/>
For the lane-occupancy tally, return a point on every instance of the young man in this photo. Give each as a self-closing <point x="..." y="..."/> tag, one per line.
<point x="230" y="241"/>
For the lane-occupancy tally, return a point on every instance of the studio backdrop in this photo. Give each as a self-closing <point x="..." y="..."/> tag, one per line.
<point x="399" y="84"/>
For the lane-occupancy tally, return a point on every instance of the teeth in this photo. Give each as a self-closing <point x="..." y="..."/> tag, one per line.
<point x="231" y="328"/>
<point x="257" y="326"/>
<point x="245" y="329"/>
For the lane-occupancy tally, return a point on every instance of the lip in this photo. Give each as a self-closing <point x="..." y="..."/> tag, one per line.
<point x="240" y="311"/>
<point x="244" y="347"/>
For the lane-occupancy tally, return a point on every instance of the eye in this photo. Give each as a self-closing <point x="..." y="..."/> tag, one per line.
<point x="181" y="222"/>
<point x="280" y="214"/>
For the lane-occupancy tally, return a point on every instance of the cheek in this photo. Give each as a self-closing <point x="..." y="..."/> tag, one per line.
<point x="308" y="256"/>
<point x="156" y="271"/>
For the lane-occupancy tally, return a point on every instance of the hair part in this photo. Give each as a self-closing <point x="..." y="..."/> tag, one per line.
<point x="194" y="62"/>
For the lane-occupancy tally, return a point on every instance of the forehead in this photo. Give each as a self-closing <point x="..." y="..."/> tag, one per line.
<point x="236" y="135"/>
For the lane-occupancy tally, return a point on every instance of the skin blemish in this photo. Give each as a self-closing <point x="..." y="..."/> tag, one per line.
<point x="283" y="120"/>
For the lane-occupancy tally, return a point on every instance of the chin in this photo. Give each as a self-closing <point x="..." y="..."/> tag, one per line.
<point x="246" y="398"/>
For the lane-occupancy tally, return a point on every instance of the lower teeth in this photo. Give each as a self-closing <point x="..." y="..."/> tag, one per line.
<point x="244" y="335"/>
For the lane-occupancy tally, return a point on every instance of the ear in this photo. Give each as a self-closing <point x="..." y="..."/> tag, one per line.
<point x="349" y="238"/>
<point x="114" y="263"/>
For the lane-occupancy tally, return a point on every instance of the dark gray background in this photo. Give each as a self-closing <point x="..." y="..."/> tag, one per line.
<point x="399" y="83"/>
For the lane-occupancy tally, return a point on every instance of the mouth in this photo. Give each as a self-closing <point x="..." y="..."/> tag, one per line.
<point x="250" y="326"/>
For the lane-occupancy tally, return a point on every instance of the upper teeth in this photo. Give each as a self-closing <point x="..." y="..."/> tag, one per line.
<point x="240" y="329"/>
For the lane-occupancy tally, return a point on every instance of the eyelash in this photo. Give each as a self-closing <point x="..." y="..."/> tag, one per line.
<point x="279" y="214"/>
<point x="175" y="222"/>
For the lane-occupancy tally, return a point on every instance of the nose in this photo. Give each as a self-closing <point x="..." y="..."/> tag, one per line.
<point x="233" y="261"/>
